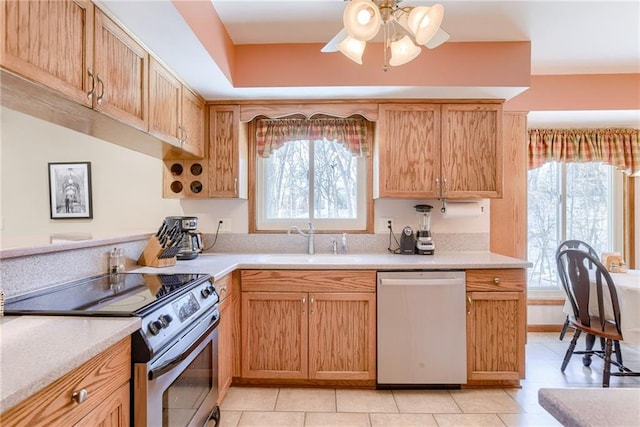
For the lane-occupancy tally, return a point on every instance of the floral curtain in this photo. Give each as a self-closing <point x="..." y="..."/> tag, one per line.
<point x="271" y="134"/>
<point x="616" y="147"/>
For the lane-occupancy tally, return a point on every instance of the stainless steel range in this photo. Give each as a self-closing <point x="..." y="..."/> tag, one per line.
<point x="174" y="354"/>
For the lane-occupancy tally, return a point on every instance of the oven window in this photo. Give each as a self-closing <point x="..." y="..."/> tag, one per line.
<point x="183" y="398"/>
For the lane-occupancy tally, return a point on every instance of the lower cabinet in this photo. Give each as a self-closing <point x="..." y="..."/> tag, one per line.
<point x="496" y="325"/>
<point x="96" y="393"/>
<point x="226" y="346"/>
<point x="308" y="325"/>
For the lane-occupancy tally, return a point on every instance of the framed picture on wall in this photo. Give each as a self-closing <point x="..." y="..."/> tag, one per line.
<point x="70" y="190"/>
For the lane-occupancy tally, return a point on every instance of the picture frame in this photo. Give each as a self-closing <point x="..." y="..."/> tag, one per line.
<point x="70" y="190"/>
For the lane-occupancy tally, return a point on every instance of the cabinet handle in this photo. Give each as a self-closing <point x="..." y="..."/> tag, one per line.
<point x="438" y="192"/>
<point x="235" y="186"/>
<point x="223" y="289"/>
<point x="468" y="304"/>
<point x="496" y="280"/>
<point x="80" y="396"/>
<point x="186" y="135"/>
<point x="93" y="84"/>
<point x="102" y="89"/>
<point x="446" y="187"/>
<point x="304" y="302"/>
<point x="311" y="301"/>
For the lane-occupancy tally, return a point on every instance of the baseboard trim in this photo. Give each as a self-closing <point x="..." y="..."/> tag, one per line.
<point x="545" y="302"/>
<point x="544" y="328"/>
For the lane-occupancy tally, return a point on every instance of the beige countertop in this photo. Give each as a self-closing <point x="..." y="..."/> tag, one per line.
<point x="220" y="264"/>
<point x="37" y="350"/>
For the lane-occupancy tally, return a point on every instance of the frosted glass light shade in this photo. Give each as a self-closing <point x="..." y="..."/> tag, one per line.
<point x="352" y="48"/>
<point x="362" y="19"/>
<point x="403" y="50"/>
<point x="424" y="21"/>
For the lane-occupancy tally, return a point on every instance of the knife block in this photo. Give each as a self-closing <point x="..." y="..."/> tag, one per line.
<point x="154" y="255"/>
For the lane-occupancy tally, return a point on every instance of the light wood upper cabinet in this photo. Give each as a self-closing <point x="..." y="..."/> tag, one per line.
<point x="50" y="42"/>
<point x="165" y="106"/>
<point x="121" y="70"/>
<point x="176" y="114"/>
<point x="496" y="325"/>
<point x="471" y="151"/>
<point x="192" y="123"/>
<point x="440" y="150"/>
<point x="227" y="153"/>
<point x="409" y="150"/>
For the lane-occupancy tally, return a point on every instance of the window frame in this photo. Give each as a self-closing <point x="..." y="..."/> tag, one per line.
<point x="253" y="188"/>
<point x="615" y="215"/>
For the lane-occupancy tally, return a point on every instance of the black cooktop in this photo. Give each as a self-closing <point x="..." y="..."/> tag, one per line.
<point x="124" y="294"/>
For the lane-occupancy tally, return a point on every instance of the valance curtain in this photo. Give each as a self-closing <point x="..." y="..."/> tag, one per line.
<point x="271" y="134"/>
<point x="616" y="147"/>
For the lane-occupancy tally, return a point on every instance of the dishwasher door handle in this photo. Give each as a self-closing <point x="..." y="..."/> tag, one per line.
<point x="421" y="282"/>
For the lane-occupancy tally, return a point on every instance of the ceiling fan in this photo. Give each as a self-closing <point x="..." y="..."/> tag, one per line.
<point x="404" y="29"/>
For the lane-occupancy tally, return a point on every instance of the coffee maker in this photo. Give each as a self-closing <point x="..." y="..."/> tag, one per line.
<point x="424" y="242"/>
<point x="191" y="242"/>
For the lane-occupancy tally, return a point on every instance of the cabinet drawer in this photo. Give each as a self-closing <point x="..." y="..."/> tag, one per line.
<point x="224" y="286"/>
<point x="54" y="405"/>
<point x="308" y="280"/>
<point x="496" y="280"/>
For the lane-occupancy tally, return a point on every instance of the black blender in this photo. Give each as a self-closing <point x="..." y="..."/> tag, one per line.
<point x="424" y="242"/>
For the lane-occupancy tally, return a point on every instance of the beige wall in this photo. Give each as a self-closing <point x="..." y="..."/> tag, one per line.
<point x="127" y="186"/>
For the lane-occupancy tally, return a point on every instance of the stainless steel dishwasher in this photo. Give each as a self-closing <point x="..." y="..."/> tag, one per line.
<point x="421" y="328"/>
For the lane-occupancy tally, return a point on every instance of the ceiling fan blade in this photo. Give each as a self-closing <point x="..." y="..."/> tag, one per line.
<point x="440" y="37"/>
<point x="332" y="45"/>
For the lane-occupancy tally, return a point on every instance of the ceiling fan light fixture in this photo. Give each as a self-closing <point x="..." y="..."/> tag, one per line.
<point x="425" y="21"/>
<point x="403" y="50"/>
<point x="352" y="48"/>
<point x="362" y="19"/>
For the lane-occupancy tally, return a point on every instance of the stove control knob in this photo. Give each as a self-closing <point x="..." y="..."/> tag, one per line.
<point x="154" y="327"/>
<point x="164" y="320"/>
<point x="205" y="292"/>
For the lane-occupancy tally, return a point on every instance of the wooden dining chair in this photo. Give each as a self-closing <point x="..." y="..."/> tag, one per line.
<point x="573" y="244"/>
<point x="583" y="278"/>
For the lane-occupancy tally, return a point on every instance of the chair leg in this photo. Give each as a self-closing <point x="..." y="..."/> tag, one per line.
<point x="569" y="352"/>
<point x="564" y="328"/>
<point x="606" y="373"/>
<point x="589" y="342"/>
<point x="616" y="346"/>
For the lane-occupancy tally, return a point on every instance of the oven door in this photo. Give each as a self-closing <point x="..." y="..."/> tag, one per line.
<point x="179" y="387"/>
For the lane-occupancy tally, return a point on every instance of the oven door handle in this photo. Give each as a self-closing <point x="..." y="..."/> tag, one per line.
<point x="170" y="364"/>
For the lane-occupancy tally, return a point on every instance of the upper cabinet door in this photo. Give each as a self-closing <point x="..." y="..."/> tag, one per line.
<point x="192" y="123"/>
<point x="224" y="151"/>
<point x="165" y="92"/>
<point x="472" y="150"/>
<point x="409" y="150"/>
<point x="121" y="70"/>
<point x="50" y="42"/>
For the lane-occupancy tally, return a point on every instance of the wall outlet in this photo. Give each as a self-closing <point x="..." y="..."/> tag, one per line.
<point x="225" y="227"/>
<point x="383" y="224"/>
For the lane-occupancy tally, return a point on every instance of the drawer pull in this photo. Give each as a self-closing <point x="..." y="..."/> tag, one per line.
<point x="468" y="304"/>
<point x="496" y="280"/>
<point x="80" y="396"/>
<point x="223" y="289"/>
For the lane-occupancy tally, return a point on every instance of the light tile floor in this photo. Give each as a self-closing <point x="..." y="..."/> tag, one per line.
<point x="292" y="407"/>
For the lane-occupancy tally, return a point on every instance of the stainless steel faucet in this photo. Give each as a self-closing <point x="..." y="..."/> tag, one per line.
<point x="309" y="234"/>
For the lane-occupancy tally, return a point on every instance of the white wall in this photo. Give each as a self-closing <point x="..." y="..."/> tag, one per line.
<point x="126" y="185"/>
